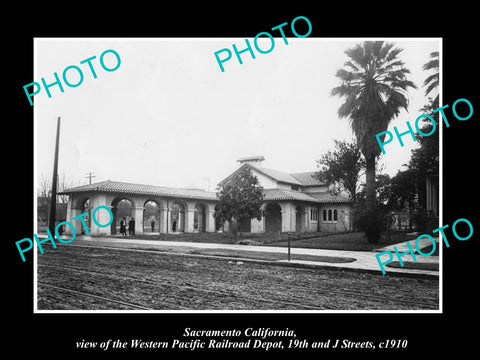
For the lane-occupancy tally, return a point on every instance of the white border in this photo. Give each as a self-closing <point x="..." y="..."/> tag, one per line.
<point x="35" y="123"/>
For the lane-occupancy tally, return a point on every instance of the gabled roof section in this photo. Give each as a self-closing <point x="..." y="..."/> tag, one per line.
<point x="131" y="188"/>
<point x="307" y="179"/>
<point x="300" y="179"/>
<point x="273" y="174"/>
<point x="278" y="175"/>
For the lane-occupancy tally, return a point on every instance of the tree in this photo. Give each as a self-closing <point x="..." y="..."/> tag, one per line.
<point x="424" y="162"/>
<point x="64" y="182"/>
<point x="432" y="81"/>
<point x="340" y="169"/>
<point x="377" y="218"/>
<point x="403" y="193"/>
<point x="383" y="189"/>
<point x="425" y="159"/>
<point x="44" y="191"/>
<point x="240" y="199"/>
<point x="374" y="85"/>
<point x="44" y="186"/>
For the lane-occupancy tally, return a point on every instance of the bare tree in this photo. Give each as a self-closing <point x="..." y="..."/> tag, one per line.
<point x="44" y="193"/>
<point x="44" y="187"/>
<point x="65" y="182"/>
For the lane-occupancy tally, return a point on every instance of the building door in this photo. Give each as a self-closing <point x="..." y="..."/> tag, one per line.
<point x="273" y="217"/>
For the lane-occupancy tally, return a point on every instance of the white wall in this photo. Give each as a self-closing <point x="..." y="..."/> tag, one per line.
<point x="343" y="218"/>
<point x="265" y="181"/>
<point x="315" y="189"/>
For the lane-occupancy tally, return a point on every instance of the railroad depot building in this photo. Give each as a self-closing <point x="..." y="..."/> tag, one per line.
<point x="292" y="203"/>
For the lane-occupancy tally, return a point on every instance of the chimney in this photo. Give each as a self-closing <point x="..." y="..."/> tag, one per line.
<point x="252" y="160"/>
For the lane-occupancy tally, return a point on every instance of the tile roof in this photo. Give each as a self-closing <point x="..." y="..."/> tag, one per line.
<point x="274" y="174"/>
<point x="322" y="198"/>
<point x="300" y="179"/>
<point x="130" y="188"/>
<point x="325" y="197"/>
<point x="283" y="194"/>
<point x="278" y="175"/>
<point x="307" y="179"/>
<point x="270" y="194"/>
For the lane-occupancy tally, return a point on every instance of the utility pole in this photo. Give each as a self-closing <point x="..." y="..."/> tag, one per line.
<point x="205" y="178"/>
<point x="89" y="177"/>
<point x="53" y="200"/>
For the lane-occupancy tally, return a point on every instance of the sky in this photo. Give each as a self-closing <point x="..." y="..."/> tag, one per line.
<point x="168" y="116"/>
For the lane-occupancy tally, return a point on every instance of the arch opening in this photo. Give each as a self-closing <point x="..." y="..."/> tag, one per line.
<point x="151" y="217"/>
<point x="273" y="217"/>
<point x="300" y="218"/>
<point x="199" y="218"/>
<point x="122" y="210"/>
<point x="177" y="217"/>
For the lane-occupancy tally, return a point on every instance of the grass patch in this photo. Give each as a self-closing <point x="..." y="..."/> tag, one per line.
<point x="271" y="256"/>
<point x="427" y="250"/>
<point x="354" y="241"/>
<point x="216" y="238"/>
<point x="414" y="265"/>
<point x="257" y="255"/>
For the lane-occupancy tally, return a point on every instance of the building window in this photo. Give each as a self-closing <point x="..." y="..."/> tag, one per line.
<point x="294" y="187"/>
<point x="330" y="215"/>
<point x="313" y="214"/>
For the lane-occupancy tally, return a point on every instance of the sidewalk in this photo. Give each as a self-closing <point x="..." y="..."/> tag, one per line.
<point x="364" y="260"/>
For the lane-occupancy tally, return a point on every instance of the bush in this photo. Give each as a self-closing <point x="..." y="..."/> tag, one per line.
<point x="247" y="242"/>
<point x="420" y="219"/>
<point x="372" y="222"/>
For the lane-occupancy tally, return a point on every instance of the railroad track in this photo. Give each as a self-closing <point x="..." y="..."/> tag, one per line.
<point x="431" y="304"/>
<point x="191" y="288"/>
<point x="97" y="297"/>
<point x="428" y="303"/>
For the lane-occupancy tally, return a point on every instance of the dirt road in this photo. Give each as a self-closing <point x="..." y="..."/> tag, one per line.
<point x="72" y="277"/>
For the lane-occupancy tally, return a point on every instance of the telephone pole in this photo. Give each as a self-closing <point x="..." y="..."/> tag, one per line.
<point x="89" y="177"/>
<point x="53" y="200"/>
<point x="205" y="178"/>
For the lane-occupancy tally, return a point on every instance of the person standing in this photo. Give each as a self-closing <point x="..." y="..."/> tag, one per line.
<point x="60" y="229"/>
<point x="131" y="226"/>
<point x="123" y="226"/>
<point x="153" y="225"/>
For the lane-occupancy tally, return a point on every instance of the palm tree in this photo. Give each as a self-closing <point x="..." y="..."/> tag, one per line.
<point x="374" y="85"/>
<point x="431" y="82"/>
<point x="424" y="161"/>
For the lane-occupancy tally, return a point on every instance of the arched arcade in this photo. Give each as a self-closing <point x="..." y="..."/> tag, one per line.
<point x="190" y="210"/>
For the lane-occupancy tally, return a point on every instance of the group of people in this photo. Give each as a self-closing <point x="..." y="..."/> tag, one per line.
<point x="131" y="226"/>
